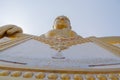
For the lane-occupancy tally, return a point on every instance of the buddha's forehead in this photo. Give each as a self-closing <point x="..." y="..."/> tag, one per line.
<point x="62" y="17"/>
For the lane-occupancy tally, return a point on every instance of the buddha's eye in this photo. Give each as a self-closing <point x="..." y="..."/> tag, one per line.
<point x="58" y="18"/>
<point x="62" y="19"/>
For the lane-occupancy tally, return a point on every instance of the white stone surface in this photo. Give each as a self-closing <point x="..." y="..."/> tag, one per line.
<point x="35" y="53"/>
<point x="118" y="45"/>
<point x="4" y="39"/>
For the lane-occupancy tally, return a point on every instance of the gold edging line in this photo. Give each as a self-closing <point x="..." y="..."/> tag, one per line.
<point x="14" y="42"/>
<point x="74" y="71"/>
<point x="109" y="47"/>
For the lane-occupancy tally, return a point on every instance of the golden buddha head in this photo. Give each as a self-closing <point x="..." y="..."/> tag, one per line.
<point x="62" y="22"/>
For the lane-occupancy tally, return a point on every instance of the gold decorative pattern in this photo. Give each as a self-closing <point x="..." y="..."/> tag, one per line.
<point x="16" y="74"/>
<point x="64" y="41"/>
<point x="58" y="76"/>
<point x="90" y="77"/>
<point x="28" y="75"/>
<point x="40" y="75"/>
<point x="102" y="77"/>
<point x="78" y="77"/>
<point x="4" y="73"/>
<point x="65" y="76"/>
<point x="52" y="76"/>
<point x="113" y="77"/>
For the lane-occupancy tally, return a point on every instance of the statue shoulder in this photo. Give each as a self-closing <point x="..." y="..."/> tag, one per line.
<point x="68" y="32"/>
<point x="50" y="33"/>
<point x="72" y="33"/>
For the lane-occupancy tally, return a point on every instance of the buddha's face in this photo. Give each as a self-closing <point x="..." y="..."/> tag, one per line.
<point x="61" y="22"/>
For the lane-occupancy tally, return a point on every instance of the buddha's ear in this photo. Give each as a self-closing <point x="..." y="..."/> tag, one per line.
<point x="53" y="27"/>
<point x="70" y="27"/>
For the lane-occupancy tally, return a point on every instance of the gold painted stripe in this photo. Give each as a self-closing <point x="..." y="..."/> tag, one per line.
<point x="109" y="47"/>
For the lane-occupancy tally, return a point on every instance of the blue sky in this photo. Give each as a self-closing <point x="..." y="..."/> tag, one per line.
<point x="88" y="17"/>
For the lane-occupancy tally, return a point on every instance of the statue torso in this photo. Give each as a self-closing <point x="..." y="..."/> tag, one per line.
<point x="60" y="33"/>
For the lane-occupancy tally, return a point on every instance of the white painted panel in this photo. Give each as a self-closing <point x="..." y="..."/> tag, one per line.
<point x="4" y="39"/>
<point x="39" y="54"/>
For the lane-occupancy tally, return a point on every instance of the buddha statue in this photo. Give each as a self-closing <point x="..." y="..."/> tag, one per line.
<point x="61" y="29"/>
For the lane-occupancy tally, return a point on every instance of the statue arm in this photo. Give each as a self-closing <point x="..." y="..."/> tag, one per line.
<point x="50" y="34"/>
